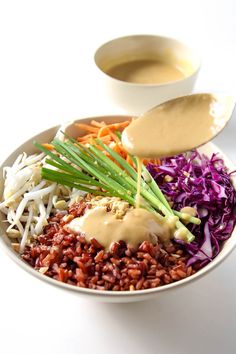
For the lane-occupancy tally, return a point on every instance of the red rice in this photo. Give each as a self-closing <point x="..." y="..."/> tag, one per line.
<point x="69" y="258"/>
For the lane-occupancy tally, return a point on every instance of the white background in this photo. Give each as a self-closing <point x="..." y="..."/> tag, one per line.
<point x="47" y="76"/>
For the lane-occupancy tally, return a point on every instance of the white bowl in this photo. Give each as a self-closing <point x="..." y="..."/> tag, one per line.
<point x="108" y="296"/>
<point x="137" y="98"/>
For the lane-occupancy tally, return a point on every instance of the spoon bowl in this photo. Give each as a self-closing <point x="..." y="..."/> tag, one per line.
<point x="178" y="125"/>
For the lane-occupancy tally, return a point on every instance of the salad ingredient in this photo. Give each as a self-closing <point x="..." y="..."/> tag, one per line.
<point x="95" y="169"/>
<point x="110" y="135"/>
<point x="136" y="226"/>
<point x="69" y="258"/>
<point x="27" y="199"/>
<point x="204" y="184"/>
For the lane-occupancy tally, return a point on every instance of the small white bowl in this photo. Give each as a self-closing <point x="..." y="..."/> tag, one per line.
<point x="100" y="295"/>
<point x="136" y="98"/>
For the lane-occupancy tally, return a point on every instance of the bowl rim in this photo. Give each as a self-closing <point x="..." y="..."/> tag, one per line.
<point x="107" y="293"/>
<point x="165" y="84"/>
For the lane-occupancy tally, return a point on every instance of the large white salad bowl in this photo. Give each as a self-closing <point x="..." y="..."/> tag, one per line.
<point x="107" y="296"/>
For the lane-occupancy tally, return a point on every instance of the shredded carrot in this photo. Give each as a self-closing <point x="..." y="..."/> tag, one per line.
<point x="86" y="137"/>
<point x="87" y="127"/>
<point x="129" y="160"/>
<point x="116" y="148"/>
<point x="107" y="134"/>
<point x="47" y="146"/>
<point x="97" y="124"/>
<point x="103" y="131"/>
<point x="106" y="139"/>
<point x="118" y="126"/>
<point x="154" y="161"/>
<point x="114" y="136"/>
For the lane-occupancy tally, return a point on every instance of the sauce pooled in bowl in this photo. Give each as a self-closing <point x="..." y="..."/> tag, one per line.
<point x="147" y="71"/>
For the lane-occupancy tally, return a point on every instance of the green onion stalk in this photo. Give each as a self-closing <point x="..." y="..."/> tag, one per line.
<point x="90" y="170"/>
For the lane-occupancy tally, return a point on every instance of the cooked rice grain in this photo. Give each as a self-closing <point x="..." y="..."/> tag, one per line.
<point x="69" y="258"/>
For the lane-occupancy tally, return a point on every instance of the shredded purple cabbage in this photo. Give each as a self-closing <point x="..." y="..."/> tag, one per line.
<point x="197" y="181"/>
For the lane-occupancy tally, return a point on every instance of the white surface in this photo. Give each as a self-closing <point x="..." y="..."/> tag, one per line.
<point x="47" y="76"/>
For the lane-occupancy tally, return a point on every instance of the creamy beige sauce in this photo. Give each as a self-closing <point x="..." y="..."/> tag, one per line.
<point x="146" y="71"/>
<point x="137" y="225"/>
<point x="178" y="125"/>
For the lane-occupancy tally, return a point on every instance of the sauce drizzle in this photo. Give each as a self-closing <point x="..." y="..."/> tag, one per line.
<point x="138" y="225"/>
